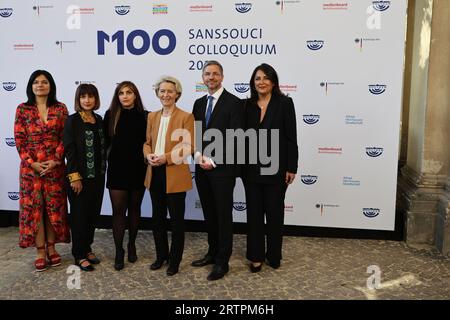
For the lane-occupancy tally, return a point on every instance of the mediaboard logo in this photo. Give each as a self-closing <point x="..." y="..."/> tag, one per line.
<point x="377" y="89"/>
<point x="13" y="196"/>
<point x="243" y="7"/>
<point x="84" y="11"/>
<point x="122" y="10"/>
<point x="311" y="118"/>
<point x="315" y="44"/>
<point x="6" y="12"/>
<point x="24" y="46"/>
<point x="330" y="150"/>
<point x="308" y="179"/>
<point x="9" y="86"/>
<point x="374" y="151"/>
<point x="288" y="88"/>
<point x="241" y="87"/>
<point x="11" y="142"/>
<point x="239" y="206"/>
<point x="381" y="5"/>
<point x="335" y="6"/>
<point x="371" y="212"/>
<point x="60" y="43"/>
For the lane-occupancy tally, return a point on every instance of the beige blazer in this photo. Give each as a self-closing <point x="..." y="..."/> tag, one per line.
<point x="178" y="174"/>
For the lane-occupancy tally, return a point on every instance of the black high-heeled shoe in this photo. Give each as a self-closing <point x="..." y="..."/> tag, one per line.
<point x="157" y="264"/>
<point x="119" y="264"/>
<point x="132" y="256"/>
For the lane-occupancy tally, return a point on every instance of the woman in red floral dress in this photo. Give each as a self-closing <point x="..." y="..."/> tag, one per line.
<point x="38" y="131"/>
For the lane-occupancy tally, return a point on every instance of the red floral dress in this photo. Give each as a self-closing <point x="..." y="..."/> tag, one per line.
<point x="37" y="141"/>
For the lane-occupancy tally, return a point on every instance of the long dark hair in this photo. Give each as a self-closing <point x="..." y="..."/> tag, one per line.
<point x="271" y="75"/>
<point x="51" y="98"/>
<point x="116" y="107"/>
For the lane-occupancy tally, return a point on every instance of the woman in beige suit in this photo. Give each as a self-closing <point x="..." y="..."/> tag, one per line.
<point x="170" y="134"/>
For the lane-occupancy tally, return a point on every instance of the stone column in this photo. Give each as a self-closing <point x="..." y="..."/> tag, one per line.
<point x="423" y="188"/>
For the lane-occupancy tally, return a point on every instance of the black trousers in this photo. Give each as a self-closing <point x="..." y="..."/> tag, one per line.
<point x="161" y="202"/>
<point x="265" y="200"/>
<point x="216" y="197"/>
<point x="84" y="211"/>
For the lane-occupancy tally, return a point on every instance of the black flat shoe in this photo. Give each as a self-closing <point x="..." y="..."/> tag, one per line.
<point x="157" y="264"/>
<point x="255" y="269"/>
<point x="217" y="272"/>
<point x="89" y="267"/>
<point x="274" y="264"/>
<point x="132" y="256"/>
<point x="203" y="261"/>
<point x="93" y="258"/>
<point x="172" y="270"/>
<point x="119" y="264"/>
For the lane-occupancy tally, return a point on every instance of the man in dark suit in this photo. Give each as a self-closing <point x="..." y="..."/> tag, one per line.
<point x="215" y="177"/>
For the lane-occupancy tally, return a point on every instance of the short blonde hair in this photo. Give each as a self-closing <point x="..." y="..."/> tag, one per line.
<point x="172" y="80"/>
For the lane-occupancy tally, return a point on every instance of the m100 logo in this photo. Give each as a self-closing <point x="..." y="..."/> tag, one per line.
<point x="119" y="38"/>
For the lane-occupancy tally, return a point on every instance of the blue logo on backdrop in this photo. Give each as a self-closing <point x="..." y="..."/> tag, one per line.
<point x="243" y="7"/>
<point x="9" y="86"/>
<point x="239" y="206"/>
<point x="6" y="12"/>
<point x="10" y="142"/>
<point x="374" y="151"/>
<point x="119" y="38"/>
<point x="13" y="195"/>
<point x="311" y="118"/>
<point x="122" y="10"/>
<point x="315" y="44"/>
<point x="241" y="87"/>
<point x="371" y="212"/>
<point x="308" y="179"/>
<point x="377" y="88"/>
<point x="381" y="5"/>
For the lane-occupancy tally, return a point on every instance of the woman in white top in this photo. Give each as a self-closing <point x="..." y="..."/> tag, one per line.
<point x="170" y="134"/>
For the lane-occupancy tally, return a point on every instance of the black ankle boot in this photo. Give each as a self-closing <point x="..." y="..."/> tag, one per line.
<point x="118" y="262"/>
<point x="132" y="256"/>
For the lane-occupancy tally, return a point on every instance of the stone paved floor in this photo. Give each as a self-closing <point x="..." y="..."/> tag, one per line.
<point x="312" y="268"/>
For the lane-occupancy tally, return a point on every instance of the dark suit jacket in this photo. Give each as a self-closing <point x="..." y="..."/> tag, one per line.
<point x="280" y="114"/>
<point x="75" y="145"/>
<point x="228" y="113"/>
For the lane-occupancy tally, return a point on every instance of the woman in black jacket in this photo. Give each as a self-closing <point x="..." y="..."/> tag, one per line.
<point x="84" y="146"/>
<point x="272" y="115"/>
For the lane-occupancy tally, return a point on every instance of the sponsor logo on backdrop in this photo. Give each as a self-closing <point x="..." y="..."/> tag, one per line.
<point x="371" y="212"/>
<point x="9" y="86"/>
<point x="349" y="181"/>
<point x="377" y="89"/>
<point x="23" y="46"/>
<point x="201" y="8"/>
<point x="122" y="10"/>
<point x="288" y="208"/>
<point x="78" y="82"/>
<point x="311" y="118"/>
<point x="361" y="42"/>
<point x="241" y="87"/>
<point x="381" y="5"/>
<point x="328" y="85"/>
<point x="160" y="9"/>
<point x="63" y="43"/>
<point x="198" y="204"/>
<point x="239" y="206"/>
<point x="84" y="11"/>
<point x="374" y="151"/>
<point x="351" y="119"/>
<point x="13" y="196"/>
<point x="283" y="4"/>
<point x="308" y="179"/>
<point x="10" y="142"/>
<point x="335" y="6"/>
<point x="330" y="150"/>
<point x="288" y="88"/>
<point x="40" y="9"/>
<point x="315" y="44"/>
<point x="243" y="7"/>
<point x="201" y="87"/>
<point x="323" y="208"/>
<point x="6" y="12"/>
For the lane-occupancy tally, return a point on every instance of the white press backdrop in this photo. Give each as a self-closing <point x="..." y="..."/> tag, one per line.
<point x="340" y="61"/>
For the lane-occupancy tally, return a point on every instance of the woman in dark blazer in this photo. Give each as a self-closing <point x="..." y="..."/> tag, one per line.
<point x="266" y="184"/>
<point x="84" y="145"/>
